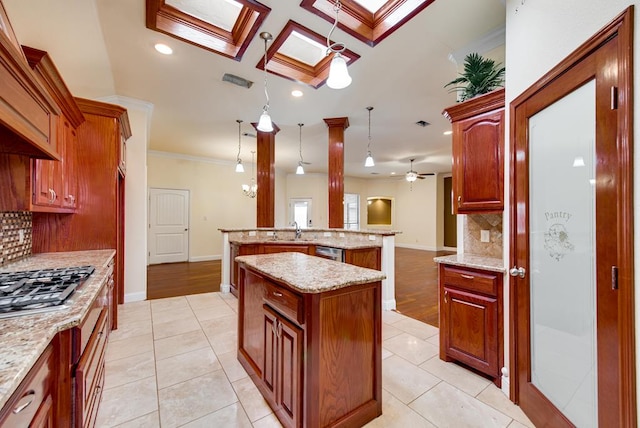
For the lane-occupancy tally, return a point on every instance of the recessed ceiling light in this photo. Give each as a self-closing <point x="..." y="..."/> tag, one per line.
<point x="163" y="49"/>
<point x="296" y="93"/>
<point x="448" y="132"/>
<point x="393" y="173"/>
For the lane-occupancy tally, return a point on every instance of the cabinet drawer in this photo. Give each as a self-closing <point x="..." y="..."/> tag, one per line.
<point x="472" y="280"/>
<point x="23" y="405"/>
<point x="82" y="333"/>
<point x="285" y="301"/>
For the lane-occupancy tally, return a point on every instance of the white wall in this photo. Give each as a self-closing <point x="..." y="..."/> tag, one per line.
<point x="539" y="35"/>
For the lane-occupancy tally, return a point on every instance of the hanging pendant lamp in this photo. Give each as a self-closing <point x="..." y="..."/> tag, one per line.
<point x="251" y="190"/>
<point x="300" y="168"/>
<point x="338" y="74"/>
<point x="265" y="124"/>
<point x="239" y="167"/>
<point x="369" y="160"/>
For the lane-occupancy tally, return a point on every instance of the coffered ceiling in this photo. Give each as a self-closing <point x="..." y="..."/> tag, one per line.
<point x="399" y="68"/>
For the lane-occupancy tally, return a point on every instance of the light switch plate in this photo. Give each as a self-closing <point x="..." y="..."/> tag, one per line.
<point x="372" y="237"/>
<point x="253" y="233"/>
<point x="326" y="234"/>
<point x="485" y="236"/>
<point x="341" y="234"/>
<point x="270" y="233"/>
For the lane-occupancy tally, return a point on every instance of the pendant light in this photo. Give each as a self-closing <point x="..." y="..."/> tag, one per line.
<point x="251" y="190"/>
<point x="300" y="168"/>
<point x="369" y="161"/>
<point x="338" y="74"/>
<point x="239" y="167"/>
<point x="265" y="124"/>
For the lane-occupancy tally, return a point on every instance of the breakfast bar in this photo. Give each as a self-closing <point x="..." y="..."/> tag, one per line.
<point x="310" y="337"/>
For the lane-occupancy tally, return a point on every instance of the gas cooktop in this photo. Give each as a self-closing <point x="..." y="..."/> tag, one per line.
<point x="36" y="291"/>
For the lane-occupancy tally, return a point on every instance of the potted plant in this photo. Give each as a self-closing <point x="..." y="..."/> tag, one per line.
<point x="481" y="75"/>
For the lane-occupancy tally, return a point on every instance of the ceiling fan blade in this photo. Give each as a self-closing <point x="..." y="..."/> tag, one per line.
<point x="426" y="174"/>
<point x="421" y="177"/>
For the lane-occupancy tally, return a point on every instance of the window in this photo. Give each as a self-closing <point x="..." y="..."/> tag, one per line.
<point x="351" y="211"/>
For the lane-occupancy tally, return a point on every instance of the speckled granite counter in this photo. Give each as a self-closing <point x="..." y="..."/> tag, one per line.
<point x="329" y="242"/>
<point x="309" y="274"/>
<point x="473" y="261"/>
<point x="24" y="338"/>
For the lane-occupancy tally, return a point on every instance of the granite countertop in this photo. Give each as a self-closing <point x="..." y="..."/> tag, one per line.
<point x="310" y="274"/>
<point x="473" y="261"/>
<point x="24" y="338"/>
<point x="316" y="230"/>
<point x="327" y="242"/>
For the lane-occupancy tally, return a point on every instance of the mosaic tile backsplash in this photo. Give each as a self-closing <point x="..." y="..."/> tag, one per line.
<point x="16" y="227"/>
<point x="474" y="224"/>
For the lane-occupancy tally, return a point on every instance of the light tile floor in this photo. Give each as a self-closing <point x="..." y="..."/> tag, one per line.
<point x="172" y="363"/>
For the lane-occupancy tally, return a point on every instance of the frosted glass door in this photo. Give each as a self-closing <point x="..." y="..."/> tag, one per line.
<point x="562" y="254"/>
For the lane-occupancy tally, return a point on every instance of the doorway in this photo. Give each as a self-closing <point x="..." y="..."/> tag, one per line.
<point x="168" y="225"/>
<point x="573" y="359"/>
<point x="300" y="212"/>
<point x="450" y="220"/>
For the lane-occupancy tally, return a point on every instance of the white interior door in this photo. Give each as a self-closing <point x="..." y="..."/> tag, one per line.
<point x="168" y="225"/>
<point x="300" y="212"/>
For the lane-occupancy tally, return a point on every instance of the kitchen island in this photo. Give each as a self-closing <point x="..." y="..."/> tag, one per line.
<point x="41" y="352"/>
<point x="310" y="337"/>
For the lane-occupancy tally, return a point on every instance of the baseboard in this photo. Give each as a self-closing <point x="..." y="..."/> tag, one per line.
<point x="205" y="258"/>
<point x="225" y="288"/>
<point x="448" y="249"/>
<point x="135" y="297"/>
<point x="417" y="247"/>
<point x="389" y="305"/>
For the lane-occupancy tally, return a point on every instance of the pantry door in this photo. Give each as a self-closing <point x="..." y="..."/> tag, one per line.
<point x="571" y="285"/>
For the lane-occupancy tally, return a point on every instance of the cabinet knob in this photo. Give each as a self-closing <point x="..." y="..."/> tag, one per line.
<point x="459" y="201"/>
<point x="467" y="276"/>
<point x="25" y="401"/>
<point x="275" y="293"/>
<point x="446" y="296"/>
<point x="517" y="271"/>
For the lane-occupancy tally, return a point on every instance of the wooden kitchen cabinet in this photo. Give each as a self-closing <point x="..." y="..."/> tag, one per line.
<point x="478" y="153"/>
<point x="32" y="403"/>
<point x="364" y="257"/>
<point x="471" y="326"/>
<point x="270" y="248"/>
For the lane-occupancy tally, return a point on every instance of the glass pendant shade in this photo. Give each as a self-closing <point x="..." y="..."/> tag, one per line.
<point x="239" y="166"/>
<point x="265" y="124"/>
<point x="300" y="169"/>
<point x="369" y="161"/>
<point x="411" y="176"/>
<point x="338" y="74"/>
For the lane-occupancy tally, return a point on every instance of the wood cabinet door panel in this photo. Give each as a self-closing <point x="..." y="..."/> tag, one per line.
<point x="284" y="248"/>
<point x="364" y="257"/>
<point x="290" y="340"/>
<point x="471" y="280"/>
<point x="270" y="347"/>
<point x="251" y="323"/>
<point x="471" y="329"/>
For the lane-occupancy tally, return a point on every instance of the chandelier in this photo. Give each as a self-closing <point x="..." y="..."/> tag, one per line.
<point x="251" y="190"/>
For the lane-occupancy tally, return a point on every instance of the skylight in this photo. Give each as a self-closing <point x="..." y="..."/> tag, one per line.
<point x="302" y="48"/>
<point x="221" y="13"/>
<point x="371" y="5"/>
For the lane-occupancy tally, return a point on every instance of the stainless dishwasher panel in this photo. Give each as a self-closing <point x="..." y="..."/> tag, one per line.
<point x="336" y="254"/>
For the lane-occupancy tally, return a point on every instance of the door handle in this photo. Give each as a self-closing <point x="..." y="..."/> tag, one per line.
<point x="186" y="230"/>
<point x="517" y="271"/>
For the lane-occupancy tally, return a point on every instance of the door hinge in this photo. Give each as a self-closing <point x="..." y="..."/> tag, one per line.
<point x="614" y="277"/>
<point x="614" y="98"/>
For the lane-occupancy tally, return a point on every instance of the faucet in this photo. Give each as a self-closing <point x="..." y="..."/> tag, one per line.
<point x="298" y="230"/>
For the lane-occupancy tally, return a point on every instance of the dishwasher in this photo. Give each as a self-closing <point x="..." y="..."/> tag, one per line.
<point x="332" y="253"/>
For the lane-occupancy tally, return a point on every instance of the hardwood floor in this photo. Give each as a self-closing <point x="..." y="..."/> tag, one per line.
<point x="179" y="279"/>
<point x="416" y="282"/>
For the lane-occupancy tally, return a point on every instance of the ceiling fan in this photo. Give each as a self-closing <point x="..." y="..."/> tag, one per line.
<point x="412" y="176"/>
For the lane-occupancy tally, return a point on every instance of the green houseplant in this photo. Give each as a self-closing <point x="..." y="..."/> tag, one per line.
<point x="481" y="75"/>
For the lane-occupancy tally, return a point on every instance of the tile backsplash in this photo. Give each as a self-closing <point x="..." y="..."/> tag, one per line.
<point x="15" y="236"/>
<point x="474" y="224"/>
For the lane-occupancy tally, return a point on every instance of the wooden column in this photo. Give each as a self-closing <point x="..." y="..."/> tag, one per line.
<point x="266" y="179"/>
<point x="336" y="125"/>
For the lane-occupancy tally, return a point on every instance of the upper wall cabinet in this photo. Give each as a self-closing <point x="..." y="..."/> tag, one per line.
<point x="478" y="153"/>
<point x="28" y="115"/>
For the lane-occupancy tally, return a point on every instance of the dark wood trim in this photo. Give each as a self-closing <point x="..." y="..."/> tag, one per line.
<point x="100" y="108"/>
<point x="336" y="125"/>
<point x="42" y="63"/>
<point x="182" y="26"/>
<point x="266" y="177"/>
<point x="481" y="104"/>
<point x="369" y="28"/>
<point x="290" y="68"/>
<point x="622" y="28"/>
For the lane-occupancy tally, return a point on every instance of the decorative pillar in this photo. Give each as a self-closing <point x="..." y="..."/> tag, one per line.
<point x="336" y="125"/>
<point x="266" y="179"/>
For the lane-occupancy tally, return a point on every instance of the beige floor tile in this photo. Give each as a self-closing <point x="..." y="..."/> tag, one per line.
<point x="220" y="325"/>
<point x="411" y="348"/>
<point x="516" y="424"/>
<point x="195" y="398"/>
<point x="173" y="328"/>
<point x="218" y="311"/>
<point x="127" y="402"/>
<point x="225" y="342"/>
<point x="139" y="313"/>
<point x="151" y="420"/>
<point x="170" y="315"/>
<point x="434" y="340"/>
<point x="117" y="349"/>
<point x="404" y="380"/>
<point x="396" y="414"/>
<point x="455" y="375"/>
<point x="232" y="416"/>
<point x="447" y="407"/>
<point x="169" y="303"/>
<point x="416" y="328"/>
<point x="129" y="369"/>
<point x="232" y="366"/>
<point x="131" y="329"/>
<point x="270" y="421"/>
<point x="390" y="317"/>
<point x="389" y="331"/>
<point x="204" y="300"/>
<point x="497" y="399"/>
<point x="386" y="353"/>
<point x="134" y="306"/>
<point x="190" y="365"/>
<point x="233" y="304"/>
<point x="251" y="399"/>
<point x="180" y="344"/>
